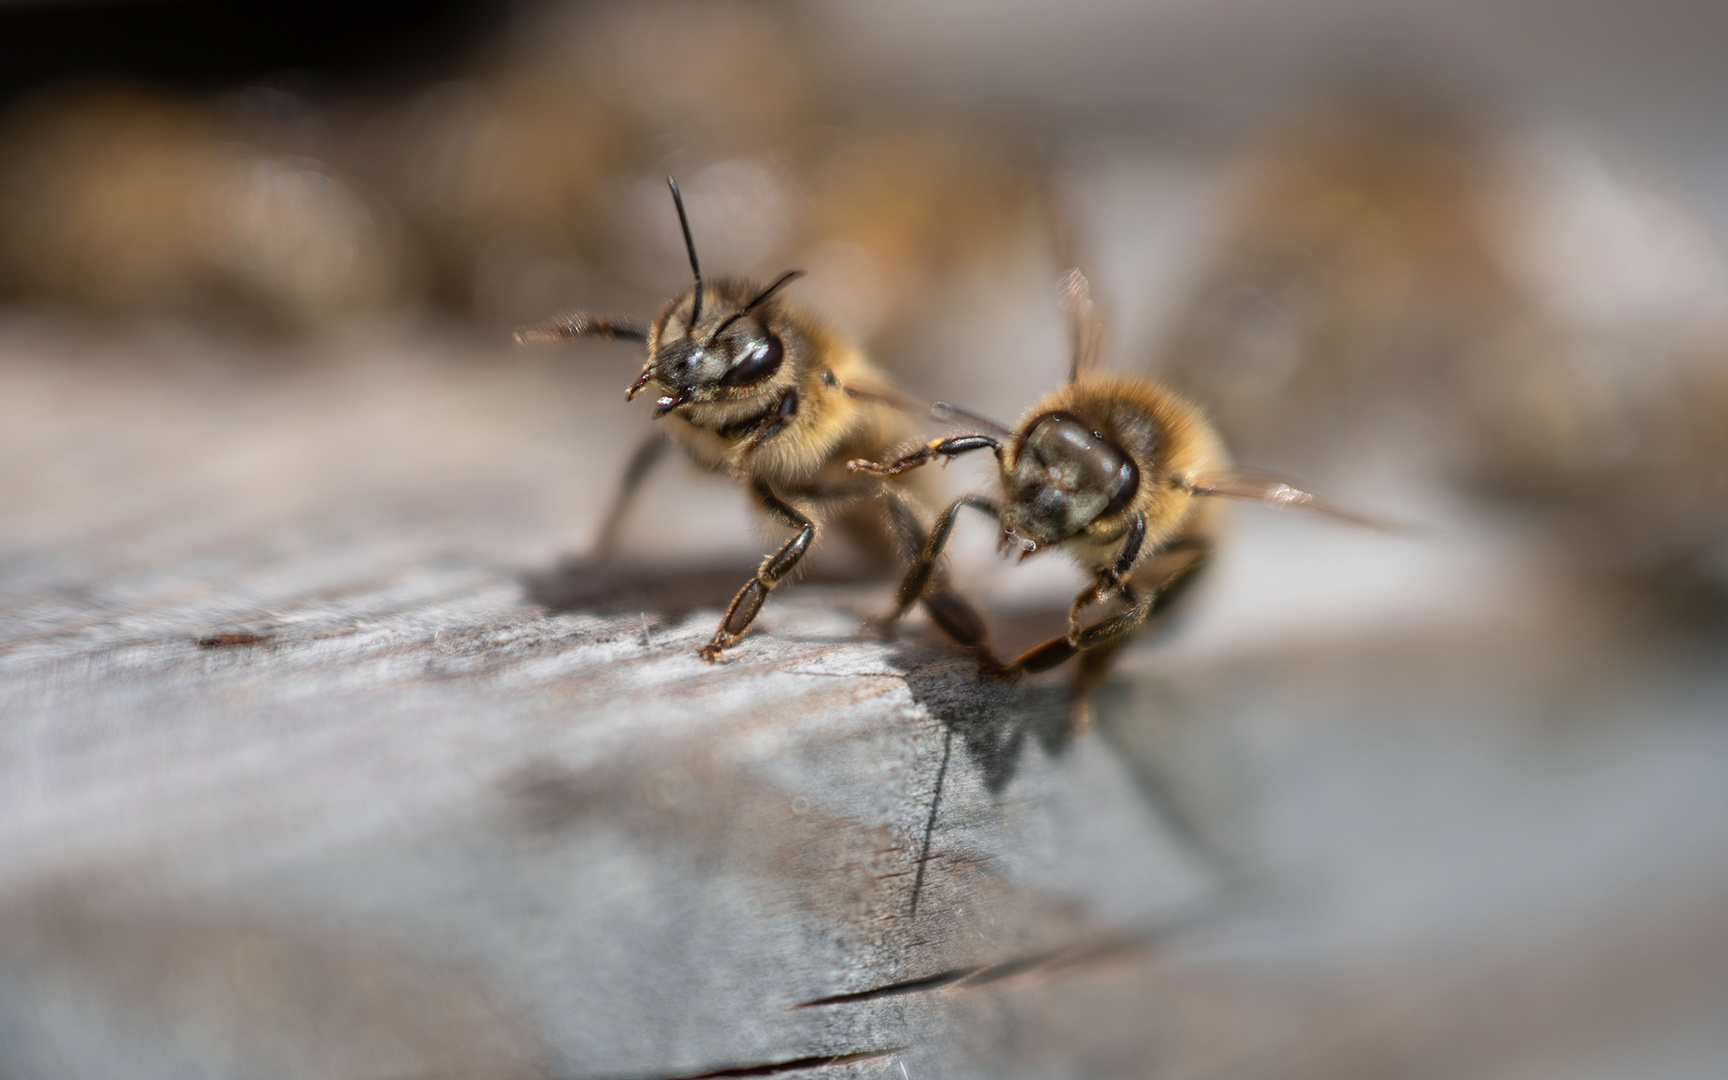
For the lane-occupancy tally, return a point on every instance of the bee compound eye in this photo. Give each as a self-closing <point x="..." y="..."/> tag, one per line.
<point x="1099" y="477"/>
<point x="758" y="362"/>
<point x="1122" y="485"/>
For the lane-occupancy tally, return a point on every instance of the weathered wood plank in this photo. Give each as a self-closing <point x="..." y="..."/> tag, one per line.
<point x="316" y="759"/>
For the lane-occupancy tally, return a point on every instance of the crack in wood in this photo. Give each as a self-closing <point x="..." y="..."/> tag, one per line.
<point x="229" y="638"/>
<point x="910" y="986"/>
<point x="773" y="1068"/>
<point x="984" y="974"/>
<point x="930" y="824"/>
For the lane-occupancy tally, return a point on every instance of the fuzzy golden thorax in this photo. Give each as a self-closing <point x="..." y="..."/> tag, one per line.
<point x="1092" y="455"/>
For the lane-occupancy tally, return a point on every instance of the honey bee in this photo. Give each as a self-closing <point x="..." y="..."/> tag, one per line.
<point x="1119" y="472"/>
<point x="751" y="387"/>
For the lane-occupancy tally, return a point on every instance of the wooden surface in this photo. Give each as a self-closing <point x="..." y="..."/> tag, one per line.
<point x="320" y="758"/>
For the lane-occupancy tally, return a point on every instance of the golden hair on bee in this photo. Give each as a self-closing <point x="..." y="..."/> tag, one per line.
<point x="1118" y="472"/>
<point x="751" y="387"/>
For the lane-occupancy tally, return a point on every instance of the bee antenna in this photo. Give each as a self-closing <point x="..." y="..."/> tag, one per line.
<point x="690" y="246"/>
<point x="775" y="286"/>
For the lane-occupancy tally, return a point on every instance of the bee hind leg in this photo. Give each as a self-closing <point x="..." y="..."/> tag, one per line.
<point x="775" y="568"/>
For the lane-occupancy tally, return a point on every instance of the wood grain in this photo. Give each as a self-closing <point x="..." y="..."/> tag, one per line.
<point x="321" y="756"/>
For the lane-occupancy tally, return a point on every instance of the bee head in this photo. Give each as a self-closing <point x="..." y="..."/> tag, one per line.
<point x="732" y="346"/>
<point x="1065" y="476"/>
<point x="701" y="351"/>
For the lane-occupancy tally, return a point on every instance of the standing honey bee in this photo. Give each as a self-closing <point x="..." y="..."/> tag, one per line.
<point x="756" y="389"/>
<point x="1119" y="472"/>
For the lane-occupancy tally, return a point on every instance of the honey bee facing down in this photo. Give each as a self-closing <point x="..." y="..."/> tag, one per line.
<point x="1117" y="471"/>
<point x="751" y="387"/>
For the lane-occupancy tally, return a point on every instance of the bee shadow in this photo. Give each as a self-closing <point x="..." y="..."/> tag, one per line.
<point x="992" y="719"/>
<point x="666" y="591"/>
<point x="995" y="721"/>
<point x="614" y="589"/>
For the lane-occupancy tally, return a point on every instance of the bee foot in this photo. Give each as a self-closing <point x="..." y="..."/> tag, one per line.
<point x="881" y="626"/>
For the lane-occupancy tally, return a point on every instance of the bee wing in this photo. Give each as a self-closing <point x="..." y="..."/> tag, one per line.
<point x="1278" y="493"/>
<point x="940" y="411"/>
<point x="1085" y="332"/>
<point x="1073" y="292"/>
<point x="893" y="399"/>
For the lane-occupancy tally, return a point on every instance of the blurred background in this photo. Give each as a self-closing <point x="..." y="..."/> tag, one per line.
<point x="1458" y="264"/>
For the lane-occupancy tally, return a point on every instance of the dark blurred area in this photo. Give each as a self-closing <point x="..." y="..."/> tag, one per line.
<point x="1458" y="265"/>
<point x="201" y="47"/>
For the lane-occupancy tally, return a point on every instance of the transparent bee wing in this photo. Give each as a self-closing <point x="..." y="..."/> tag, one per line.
<point x="1085" y="332"/>
<point x="940" y="411"/>
<point x="1278" y="493"/>
<point x="893" y="399"/>
<point x="949" y="413"/>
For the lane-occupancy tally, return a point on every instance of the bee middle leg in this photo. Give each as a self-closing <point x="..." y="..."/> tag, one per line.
<point x="925" y="583"/>
<point x="1094" y="664"/>
<point x="775" y="568"/>
<point x="642" y="462"/>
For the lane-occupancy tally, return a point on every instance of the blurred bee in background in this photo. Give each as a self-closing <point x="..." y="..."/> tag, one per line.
<point x="1118" y="472"/>
<point x="1509" y="310"/>
<point x="1355" y="287"/>
<point x="1632" y="486"/>
<point x="756" y="389"/>
<point x="494" y="194"/>
<point x="126" y="199"/>
<point x="898" y="218"/>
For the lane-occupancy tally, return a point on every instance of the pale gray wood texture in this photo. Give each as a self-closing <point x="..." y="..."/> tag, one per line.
<point x="318" y="758"/>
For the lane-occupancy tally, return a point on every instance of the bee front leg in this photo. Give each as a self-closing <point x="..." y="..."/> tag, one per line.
<point x="775" y="568"/>
<point x="1103" y="588"/>
<point x="782" y="416"/>
<point x="1113" y="579"/>
<point x="1101" y="639"/>
<point x="942" y="449"/>
<point x="1167" y="575"/>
